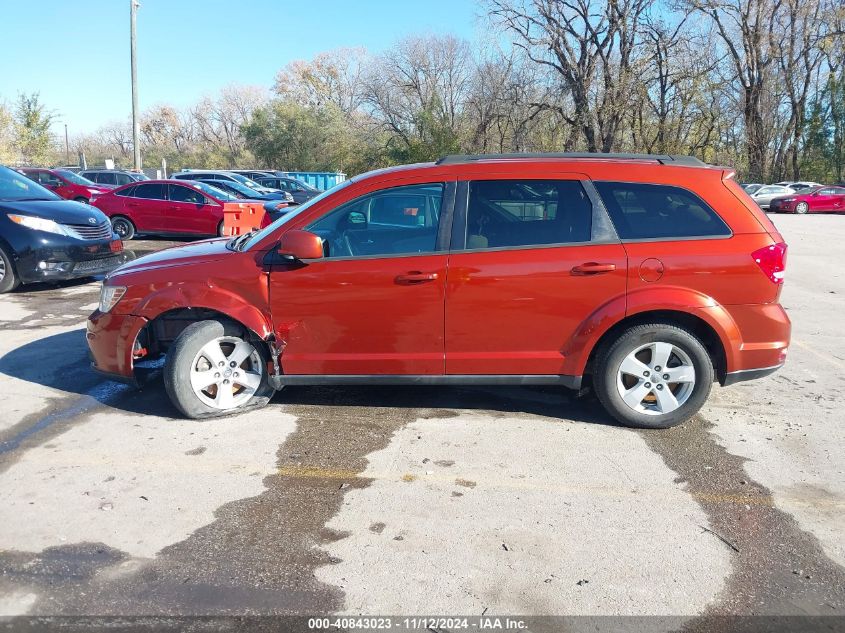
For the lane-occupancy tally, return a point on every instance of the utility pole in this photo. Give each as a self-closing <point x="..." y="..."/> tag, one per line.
<point x="136" y="128"/>
<point x="67" y="148"/>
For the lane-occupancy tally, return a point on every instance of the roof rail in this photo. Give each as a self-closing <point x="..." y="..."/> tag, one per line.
<point x="664" y="159"/>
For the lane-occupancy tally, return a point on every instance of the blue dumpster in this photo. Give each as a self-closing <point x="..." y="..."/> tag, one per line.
<point x="321" y="180"/>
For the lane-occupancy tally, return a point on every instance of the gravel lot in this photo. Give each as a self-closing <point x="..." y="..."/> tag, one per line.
<point x="422" y="500"/>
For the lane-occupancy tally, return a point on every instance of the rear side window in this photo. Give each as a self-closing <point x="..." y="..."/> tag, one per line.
<point x="129" y="192"/>
<point x="514" y="213"/>
<point x="108" y="178"/>
<point x="152" y="191"/>
<point x="643" y="211"/>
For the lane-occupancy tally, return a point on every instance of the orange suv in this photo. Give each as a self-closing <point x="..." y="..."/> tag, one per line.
<point x="647" y="277"/>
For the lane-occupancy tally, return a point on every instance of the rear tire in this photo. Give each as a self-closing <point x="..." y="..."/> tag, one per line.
<point x="194" y="377"/>
<point x="221" y="229"/>
<point x="653" y="376"/>
<point x="8" y="277"/>
<point x="81" y="199"/>
<point x="123" y="227"/>
<point x="802" y="208"/>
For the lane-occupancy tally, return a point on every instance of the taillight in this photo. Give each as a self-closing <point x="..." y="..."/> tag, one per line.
<point x="772" y="261"/>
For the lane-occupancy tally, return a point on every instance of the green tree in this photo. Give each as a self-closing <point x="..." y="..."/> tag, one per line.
<point x="32" y="129"/>
<point x="7" y="135"/>
<point x="291" y="136"/>
<point x="434" y="137"/>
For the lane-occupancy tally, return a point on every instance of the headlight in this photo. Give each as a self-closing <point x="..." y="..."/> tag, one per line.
<point x="109" y="296"/>
<point x="39" y="224"/>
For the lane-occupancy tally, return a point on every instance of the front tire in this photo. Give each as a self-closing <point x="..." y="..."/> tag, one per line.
<point x="81" y="199"/>
<point x="123" y="227"/>
<point x="9" y="279"/>
<point x="213" y="369"/>
<point x="802" y="208"/>
<point x="653" y="376"/>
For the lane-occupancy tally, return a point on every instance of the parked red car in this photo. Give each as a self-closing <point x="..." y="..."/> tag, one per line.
<point x="65" y="183"/>
<point x="165" y="207"/>
<point x="816" y="200"/>
<point x="647" y="277"/>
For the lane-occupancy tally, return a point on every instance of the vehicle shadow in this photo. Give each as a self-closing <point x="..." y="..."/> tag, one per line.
<point x="61" y="362"/>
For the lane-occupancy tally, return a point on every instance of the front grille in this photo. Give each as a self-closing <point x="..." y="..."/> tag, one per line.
<point x="106" y="263"/>
<point x="100" y="231"/>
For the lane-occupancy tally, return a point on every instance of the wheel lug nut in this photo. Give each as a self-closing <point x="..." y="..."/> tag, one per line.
<point x="659" y="387"/>
<point x="235" y="374"/>
<point x="665" y="376"/>
<point x="226" y="382"/>
<point x="233" y="364"/>
<point x="648" y="384"/>
<point x="217" y="374"/>
<point x="657" y="368"/>
<point x="221" y="363"/>
<point x="645" y="373"/>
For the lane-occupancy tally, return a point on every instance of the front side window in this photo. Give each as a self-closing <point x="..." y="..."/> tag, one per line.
<point x="129" y="192"/>
<point x="515" y="213"/>
<point x="397" y="221"/>
<point x="121" y="179"/>
<point x="645" y="211"/>
<point x="151" y="191"/>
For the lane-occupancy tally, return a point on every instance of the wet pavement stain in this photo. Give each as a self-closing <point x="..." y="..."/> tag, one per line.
<point x="778" y="568"/>
<point x="260" y="553"/>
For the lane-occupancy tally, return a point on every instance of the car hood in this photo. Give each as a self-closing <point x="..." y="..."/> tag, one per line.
<point x="194" y="253"/>
<point x="62" y="211"/>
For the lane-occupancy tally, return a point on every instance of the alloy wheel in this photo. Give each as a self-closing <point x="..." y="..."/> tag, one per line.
<point x="656" y="378"/>
<point x="226" y="372"/>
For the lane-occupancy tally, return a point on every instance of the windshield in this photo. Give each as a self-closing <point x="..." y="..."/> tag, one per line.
<point x="306" y="186"/>
<point x="267" y="230"/>
<point x="249" y="192"/>
<point x="245" y="181"/>
<point x="75" y="178"/>
<point x="216" y="192"/>
<point x="15" y="187"/>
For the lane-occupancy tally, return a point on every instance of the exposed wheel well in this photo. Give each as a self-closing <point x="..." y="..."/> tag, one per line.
<point x="158" y="334"/>
<point x="698" y="326"/>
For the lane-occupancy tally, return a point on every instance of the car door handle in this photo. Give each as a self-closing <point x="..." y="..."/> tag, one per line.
<point x="415" y="277"/>
<point x="593" y="268"/>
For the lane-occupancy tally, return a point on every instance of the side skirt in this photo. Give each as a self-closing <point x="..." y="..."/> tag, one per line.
<point x="570" y="382"/>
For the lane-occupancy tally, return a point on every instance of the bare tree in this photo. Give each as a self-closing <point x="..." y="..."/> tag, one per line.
<point x="219" y="121"/>
<point x="749" y="29"/>
<point x="334" y="77"/>
<point x="592" y="48"/>
<point x="420" y="79"/>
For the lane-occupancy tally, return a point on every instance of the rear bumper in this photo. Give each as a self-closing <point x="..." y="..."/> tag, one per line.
<point x="759" y="344"/>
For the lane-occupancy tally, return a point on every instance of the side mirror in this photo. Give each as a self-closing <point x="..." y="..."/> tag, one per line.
<point x="301" y="245"/>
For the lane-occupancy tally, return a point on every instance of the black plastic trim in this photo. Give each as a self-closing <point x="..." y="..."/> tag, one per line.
<point x="748" y="374"/>
<point x="664" y="159"/>
<point x="570" y="382"/>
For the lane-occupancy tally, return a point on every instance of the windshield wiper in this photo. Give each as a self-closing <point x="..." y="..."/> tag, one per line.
<point x="241" y="240"/>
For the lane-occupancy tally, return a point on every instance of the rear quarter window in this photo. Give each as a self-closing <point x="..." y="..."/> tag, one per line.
<point x="644" y="211"/>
